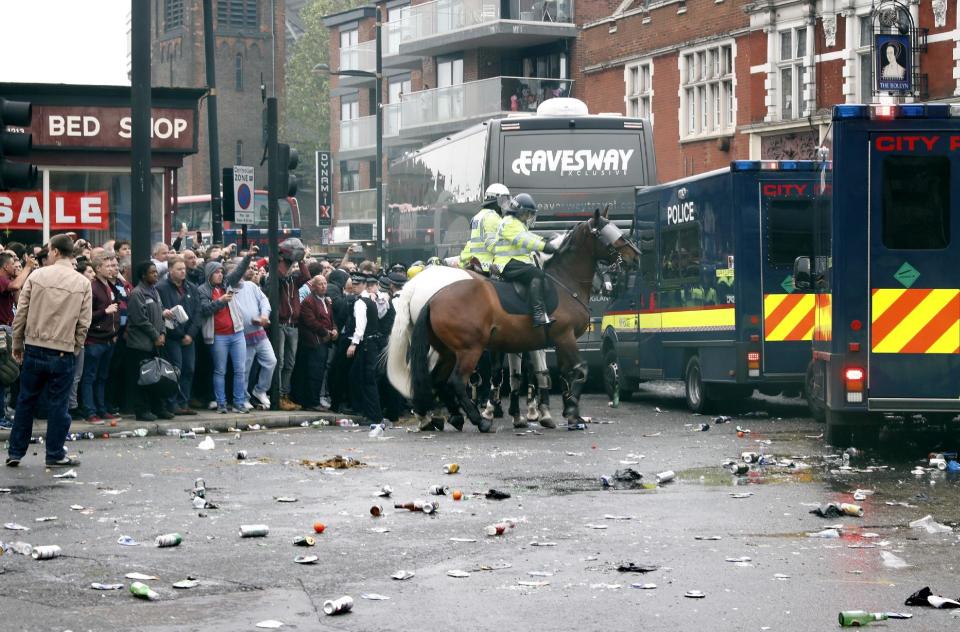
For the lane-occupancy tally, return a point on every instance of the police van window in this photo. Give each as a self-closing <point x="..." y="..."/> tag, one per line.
<point x="916" y="202"/>
<point x="646" y="241"/>
<point x="680" y="254"/>
<point x="789" y="231"/>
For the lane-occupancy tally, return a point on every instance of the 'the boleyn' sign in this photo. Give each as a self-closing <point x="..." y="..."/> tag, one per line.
<point x="324" y="189"/>
<point x="893" y="56"/>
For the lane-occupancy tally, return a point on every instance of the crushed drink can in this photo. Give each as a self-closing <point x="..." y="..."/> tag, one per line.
<point x="750" y="457"/>
<point x="304" y="540"/>
<point x="606" y="481"/>
<point x="498" y="529"/>
<point x="376" y="511"/>
<point x="850" y="509"/>
<point x="426" y="507"/>
<point x="439" y="490"/>
<point x="46" y="552"/>
<point x="241" y="455"/>
<point x="451" y="468"/>
<point x="198" y="430"/>
<point x="738" y="469"/>
<point x="938" y="462"/>
<point x="385" y="491"/>
<point x="338" y="606"/>
<point x="576" y="426"/>
<point x="254" y="530"/>
<point x="666" y="477"/>
<point x="173" y="432"/>
<point x="169" y="539"/>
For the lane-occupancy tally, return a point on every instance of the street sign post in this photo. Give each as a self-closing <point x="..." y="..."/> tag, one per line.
<point x="243" y="188"/>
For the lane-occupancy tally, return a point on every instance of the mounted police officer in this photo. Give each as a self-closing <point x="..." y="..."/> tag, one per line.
<point x="483" y="230"/>
<point x="513" y="253"/>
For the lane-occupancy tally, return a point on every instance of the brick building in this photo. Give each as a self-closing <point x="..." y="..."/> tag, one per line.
<point x="728" y="79"/>
<point x="447" y="65"/>
<point x="246" y="50"/>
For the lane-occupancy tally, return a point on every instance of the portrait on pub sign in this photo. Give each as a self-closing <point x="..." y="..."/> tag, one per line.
<point x="893" y="63"/>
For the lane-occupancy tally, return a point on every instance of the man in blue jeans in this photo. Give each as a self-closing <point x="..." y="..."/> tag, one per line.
<point x="53" y="315"/>
<point x="223" y="330"/>
<point x="101" y="338"/>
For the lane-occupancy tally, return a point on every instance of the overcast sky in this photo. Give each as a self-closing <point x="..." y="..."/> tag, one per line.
<point x="64" y="41"/>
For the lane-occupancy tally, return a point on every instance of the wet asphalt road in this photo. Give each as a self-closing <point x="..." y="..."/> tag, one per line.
<point x="140" y="488"/>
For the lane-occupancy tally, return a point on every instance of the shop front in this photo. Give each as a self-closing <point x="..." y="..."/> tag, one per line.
<point x="81" y="147"/>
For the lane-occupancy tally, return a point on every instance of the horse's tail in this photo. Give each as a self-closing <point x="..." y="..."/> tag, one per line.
<point x="422" y="386"/>
<point x="398" y="370"/>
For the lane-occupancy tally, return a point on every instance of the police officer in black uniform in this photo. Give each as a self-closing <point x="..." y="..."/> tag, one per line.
<point x="391" y="399"/>
<point x="363" y="333"/>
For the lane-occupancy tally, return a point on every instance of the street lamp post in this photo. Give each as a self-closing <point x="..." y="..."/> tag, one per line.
<point x="378" y="106"/>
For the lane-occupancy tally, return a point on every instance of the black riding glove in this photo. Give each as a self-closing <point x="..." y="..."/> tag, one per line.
<point x="549" y="249"/>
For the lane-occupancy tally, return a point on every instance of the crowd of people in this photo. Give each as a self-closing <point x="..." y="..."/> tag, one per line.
<point x="73" y="308"/>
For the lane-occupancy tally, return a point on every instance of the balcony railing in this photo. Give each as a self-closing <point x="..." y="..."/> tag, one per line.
<point x="391" y="119"/>
<point x="357" y="206"/>
<point x="363" y="56"/>
<point x="358" y="133"/>
<point x="477" y="99"/>
<point x="442" y="16"/>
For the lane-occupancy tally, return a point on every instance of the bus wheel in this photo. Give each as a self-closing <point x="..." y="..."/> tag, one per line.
<point x="839" y="432"/>
<point x="814" y="393"/>
<point x="613" y="383"/>
<point x="698" y="399"/>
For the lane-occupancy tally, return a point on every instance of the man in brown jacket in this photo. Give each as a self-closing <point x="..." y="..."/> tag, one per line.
<point x="53" y="315"/>
<point x="316" y="332"/>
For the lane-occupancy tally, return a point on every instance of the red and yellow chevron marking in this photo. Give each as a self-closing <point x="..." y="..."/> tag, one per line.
<point x="823" y="328"/>
<point x="915" y="321"/>
<point x="788" y="317"/>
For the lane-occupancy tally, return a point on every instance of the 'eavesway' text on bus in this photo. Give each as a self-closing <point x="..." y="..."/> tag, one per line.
<point x="574" y="162"/>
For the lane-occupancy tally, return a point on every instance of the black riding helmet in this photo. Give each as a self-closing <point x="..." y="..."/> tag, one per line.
<point x="522" y="203"/>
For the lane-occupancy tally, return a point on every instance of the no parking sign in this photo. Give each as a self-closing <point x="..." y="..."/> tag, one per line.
<point x="243" y="189"/>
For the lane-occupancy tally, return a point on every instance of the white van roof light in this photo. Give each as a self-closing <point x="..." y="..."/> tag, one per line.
<point x="562" y="106"/>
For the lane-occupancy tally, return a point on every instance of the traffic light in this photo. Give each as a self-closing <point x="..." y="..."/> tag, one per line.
<point x="287" y="161"/>
<point x="15" y="175"/>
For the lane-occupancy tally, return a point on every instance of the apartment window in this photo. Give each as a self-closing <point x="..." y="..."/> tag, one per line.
<point x="237" y="14"/>
<point x="639" y="79"/>
<point x="238" y="72"/>
<point x="350" y="175"/>
<point x="172" y="15"/>
<point x="865" y="60"/>
<point x="239" y="160"/>
<point x="397" y="87"/>
<point x="707" y="104"/>
<point x="398" y="28"/>
<point x="792" y="72"/>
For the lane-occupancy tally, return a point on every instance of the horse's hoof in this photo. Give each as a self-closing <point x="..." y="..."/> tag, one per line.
<point x="456" y="421"/>
<point x="497" y="410"/>
<point x="485" y="425"/>
<point x="548" y="422"/>
<point x="520" y="423"/>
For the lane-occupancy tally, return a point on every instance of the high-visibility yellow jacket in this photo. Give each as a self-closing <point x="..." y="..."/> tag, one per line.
<point x="483" y="236"/>
<point x="515" y="242"/>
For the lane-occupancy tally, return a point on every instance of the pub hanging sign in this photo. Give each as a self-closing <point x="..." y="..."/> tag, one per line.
<point x="893" y="61"/>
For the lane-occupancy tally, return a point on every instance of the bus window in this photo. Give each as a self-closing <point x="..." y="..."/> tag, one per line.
<point x="680" y="255"/>
<point x="916" y="202"/>
<point x="789" y="231"/>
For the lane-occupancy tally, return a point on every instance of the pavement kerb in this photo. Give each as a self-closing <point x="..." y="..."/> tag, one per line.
<point x="209" y="421"/>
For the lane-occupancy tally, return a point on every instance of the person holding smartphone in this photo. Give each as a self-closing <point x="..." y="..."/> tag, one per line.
<point x="223" y="329"/>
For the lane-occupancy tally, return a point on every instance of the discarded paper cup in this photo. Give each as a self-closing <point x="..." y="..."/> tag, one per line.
<point x="169" y="539"/>
<point x="254" y="530"/>
<point x="338" y="606"/>
<point x="46" y="552"/>
<point x="451" y="468"/>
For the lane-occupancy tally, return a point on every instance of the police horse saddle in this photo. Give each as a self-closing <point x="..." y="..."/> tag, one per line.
<point x="514" y="297"/>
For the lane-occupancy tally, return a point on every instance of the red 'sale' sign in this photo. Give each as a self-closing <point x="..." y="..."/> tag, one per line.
<point x="69" y="210"/>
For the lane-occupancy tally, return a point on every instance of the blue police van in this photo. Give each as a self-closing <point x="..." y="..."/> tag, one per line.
<point x="713" y="302"/>
<point x="885" y="271"/>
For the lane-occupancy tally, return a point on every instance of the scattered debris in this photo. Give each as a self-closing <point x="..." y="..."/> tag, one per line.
<point x="835" y="510"/>
<point x="306" y="559"/>
<point x="458" y="574"/>
<point x="892" y="561"/>
<point x="185" y="584"/>
<point x="931" y="525"/>
<point x="342" y="605"/>
<point x="402" y="575"/>
<point x="925" y="597"/>
<point x="140" y="577"/>
<point x="270" y="624"/>
<point x="99" y="586"/>
<point x="13" y="526"/>
<point x="494" y="494"/>
<point x="694" y="594"/>
<point x="643" y="586"/>
<point x="67" y="474"/>
<point x="374" y="597"/>
<point x="141" y="590"/>
<point x="336" y="463"/>
<point x="632" y="567"/>
<point x="254" y="530"/>
<point x="207" y="444"/>
<point x="126" y="540"/>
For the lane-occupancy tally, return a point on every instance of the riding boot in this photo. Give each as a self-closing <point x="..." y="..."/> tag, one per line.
<point x="538" y="309"/>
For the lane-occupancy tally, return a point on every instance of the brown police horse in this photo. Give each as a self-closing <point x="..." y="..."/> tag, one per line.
<point x="446" y="317"/>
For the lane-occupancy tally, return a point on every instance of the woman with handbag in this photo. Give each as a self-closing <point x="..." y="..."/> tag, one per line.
<point x="145" y="340"/>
